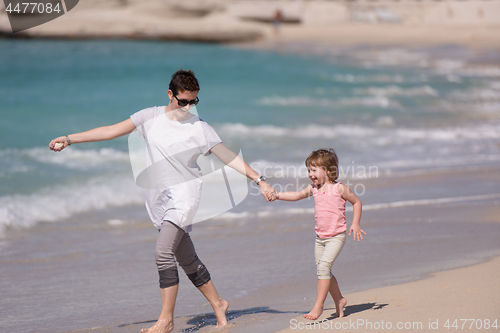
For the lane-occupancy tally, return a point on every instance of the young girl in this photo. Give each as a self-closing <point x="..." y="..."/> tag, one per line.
<point x="329" y="214"/>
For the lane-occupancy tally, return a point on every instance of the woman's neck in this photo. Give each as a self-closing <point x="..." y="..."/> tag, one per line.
<point x="177" y="114"/>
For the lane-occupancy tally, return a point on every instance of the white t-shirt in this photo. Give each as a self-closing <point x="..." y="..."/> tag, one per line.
<point x="173" y="175"/>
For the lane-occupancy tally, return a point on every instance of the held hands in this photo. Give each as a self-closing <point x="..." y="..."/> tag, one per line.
<point x="266" y="190"/>
<point x="272" y="195"/>
<point x="356" y="230"/>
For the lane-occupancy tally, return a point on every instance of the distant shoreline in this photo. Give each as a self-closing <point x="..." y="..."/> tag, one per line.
<point x="472" y="24"/>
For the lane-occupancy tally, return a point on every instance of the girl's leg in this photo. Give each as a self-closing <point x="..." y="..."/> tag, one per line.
<point x="322" y="292"/>
<point x="326" y="251"/>
<point x="168" y="240"/>
<point x="199" y="276"/>
<point x="340" y="301"/>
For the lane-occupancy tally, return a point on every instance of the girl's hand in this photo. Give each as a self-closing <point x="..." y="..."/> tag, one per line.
<point x="272" y="196"/>
<point x="356" y="230"/>
<point x="60" y="140"/>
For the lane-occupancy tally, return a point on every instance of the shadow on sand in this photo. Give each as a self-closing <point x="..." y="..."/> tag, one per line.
<point x="351" y="309"/>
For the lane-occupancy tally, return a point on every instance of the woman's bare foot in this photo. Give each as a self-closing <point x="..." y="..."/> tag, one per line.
<point x="314" y="314"/>
<point x="340" y="307"/>
<point x="220" y="310"/>
<point x="161" y="326"/>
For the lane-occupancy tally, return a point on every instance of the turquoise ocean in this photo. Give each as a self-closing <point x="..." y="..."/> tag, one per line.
<point x="75" y="242"/>
<point x="382" y="112"/>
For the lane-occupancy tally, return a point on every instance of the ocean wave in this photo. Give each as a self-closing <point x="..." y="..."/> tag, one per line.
<point x="368" y="101"/>
<point x="71" y="158"/>
<point x="435" y="162"/>
<point x="485" y="94"/>
<point x="375" y="101"/>
<point x="394" y="57"/>
<point x="229" y="216"/>
<point x="395" y="90"/>
<point x="60" y="202"/>
<point x="375" y="135"/>
<point x="494" y="85"/>
<point x="483" y="71"/>
<point x="379" y="78"/>
<point x="74" y="158"/>
<point x="460" y="68"/>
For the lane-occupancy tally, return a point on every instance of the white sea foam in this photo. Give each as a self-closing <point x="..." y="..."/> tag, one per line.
<point x="395" y="57"/>
<point x="75" y="158"/>
<point x="380" y="78"/>
<point x="368" y="101"/>
<point x="480" y="71"/>
<point x="394" y="90"/>
<point x="375" y="135"/>
<point x="485" y="94"/>
<point x="369" y="97"/>
<point x="295" y="101"/>
<point x="435" y="162"/>
<point x="60" y="202"/>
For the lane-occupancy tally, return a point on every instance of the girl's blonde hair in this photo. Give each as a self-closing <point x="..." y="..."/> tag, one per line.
<point x="326" y="159"/>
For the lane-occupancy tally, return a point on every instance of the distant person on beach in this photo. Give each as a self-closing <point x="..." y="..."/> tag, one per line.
<point x="277" y="20"/>
<point x="174" y="138"/>
<point x="330" y="197"/>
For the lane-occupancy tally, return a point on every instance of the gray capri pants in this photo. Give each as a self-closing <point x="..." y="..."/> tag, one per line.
<point x="174" y="243"/>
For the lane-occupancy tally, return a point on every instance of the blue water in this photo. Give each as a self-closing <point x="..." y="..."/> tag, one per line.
<point x="397" y="110"/>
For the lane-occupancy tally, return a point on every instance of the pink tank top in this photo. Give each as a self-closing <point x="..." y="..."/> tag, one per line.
<point x="329" y="212"/>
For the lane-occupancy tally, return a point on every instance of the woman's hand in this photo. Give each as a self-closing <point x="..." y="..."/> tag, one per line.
<point x="60" y="140"/>
<point x="266" y="190"/>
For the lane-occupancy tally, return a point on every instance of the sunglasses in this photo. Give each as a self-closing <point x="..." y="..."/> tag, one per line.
<point x="184" y="102"/>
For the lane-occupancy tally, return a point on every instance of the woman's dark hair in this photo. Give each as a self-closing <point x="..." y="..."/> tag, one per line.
<point x="326" y="159"/>
<point x="183" y="81"/>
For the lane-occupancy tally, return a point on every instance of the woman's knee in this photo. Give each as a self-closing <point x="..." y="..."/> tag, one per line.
<point x="168" y="277"/>
<point x="195" y="270"/>
<point x="200" y="276"/>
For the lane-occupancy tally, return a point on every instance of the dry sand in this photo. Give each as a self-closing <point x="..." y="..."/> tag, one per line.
<point x="239" y="21"/>
<point x="390" y="34"/>
<point x="466" y="297"/>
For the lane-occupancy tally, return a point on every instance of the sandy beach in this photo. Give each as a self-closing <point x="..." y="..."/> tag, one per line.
<point x="389" y="277"/>
<point x="461" y="299"/>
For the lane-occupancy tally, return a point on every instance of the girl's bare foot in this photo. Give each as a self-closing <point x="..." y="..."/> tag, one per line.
<point x="161" y="326"/>
<point x="340" y="307"/>
<point x="220" y="310"/>
<point x="314" y="314"/>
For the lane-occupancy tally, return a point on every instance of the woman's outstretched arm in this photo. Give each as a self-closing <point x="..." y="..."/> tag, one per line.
<point x="97" y="134"/>
<point x="229" y="158"/>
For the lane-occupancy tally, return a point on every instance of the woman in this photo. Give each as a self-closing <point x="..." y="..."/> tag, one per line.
<point x="174" y="138"/>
